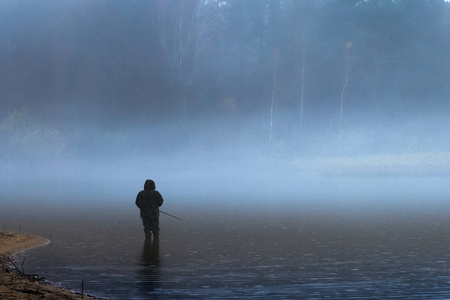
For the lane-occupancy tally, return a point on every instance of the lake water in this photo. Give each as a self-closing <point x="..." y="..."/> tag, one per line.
<point x="272" y="248"/>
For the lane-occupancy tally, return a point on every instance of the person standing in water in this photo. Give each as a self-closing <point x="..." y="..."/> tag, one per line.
<point x="149" y="200"/>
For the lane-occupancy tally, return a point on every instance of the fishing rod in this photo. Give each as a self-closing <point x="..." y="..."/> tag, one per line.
<point x="172" y="216"/>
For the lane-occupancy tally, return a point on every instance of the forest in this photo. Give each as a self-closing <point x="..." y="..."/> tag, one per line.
<point x="275" y="78"/>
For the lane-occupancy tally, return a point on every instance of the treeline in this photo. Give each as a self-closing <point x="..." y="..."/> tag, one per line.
<point x="361" y="74"/>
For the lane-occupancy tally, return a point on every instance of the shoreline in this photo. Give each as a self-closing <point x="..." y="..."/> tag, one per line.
<point x="15" y="284"/>
<point x="12" y="243"/>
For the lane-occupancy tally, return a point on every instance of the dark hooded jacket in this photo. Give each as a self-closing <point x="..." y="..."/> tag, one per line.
<point x="149" y="200"/>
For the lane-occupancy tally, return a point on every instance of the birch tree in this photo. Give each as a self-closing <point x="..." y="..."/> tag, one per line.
<point x="275" y="58"/>
<point x="349" y="63"/>
<point x="304" y="13"/>
<point x="185" y="30"/>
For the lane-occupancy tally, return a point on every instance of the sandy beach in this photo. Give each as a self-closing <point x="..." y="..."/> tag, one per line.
<point x="16" y="285"/>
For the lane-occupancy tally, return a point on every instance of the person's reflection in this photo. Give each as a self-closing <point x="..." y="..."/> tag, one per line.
<point x="149" y="273"/>
<point x="150" y="254"/>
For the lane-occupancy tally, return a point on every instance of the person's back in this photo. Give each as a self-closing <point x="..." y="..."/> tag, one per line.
<point x="149" y="200"/>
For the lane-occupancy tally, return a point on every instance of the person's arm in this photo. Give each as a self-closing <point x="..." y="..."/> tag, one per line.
<point x="138" y="200"/>
<point x="160" y="199"/>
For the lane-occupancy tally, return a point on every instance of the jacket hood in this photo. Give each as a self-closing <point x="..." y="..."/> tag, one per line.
<point x="149" y="185"/>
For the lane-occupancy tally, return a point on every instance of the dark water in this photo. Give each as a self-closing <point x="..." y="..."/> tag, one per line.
<point x="275" y="249"/>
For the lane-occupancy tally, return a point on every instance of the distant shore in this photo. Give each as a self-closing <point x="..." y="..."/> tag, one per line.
<point x="14" y="284"/>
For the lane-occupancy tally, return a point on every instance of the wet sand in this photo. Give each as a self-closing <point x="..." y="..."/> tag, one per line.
<point x="14" y="284"/>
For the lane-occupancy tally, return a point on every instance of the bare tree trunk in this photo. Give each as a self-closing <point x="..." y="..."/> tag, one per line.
<point x="348" y="66"/>
<point x="272" y="104"/>
<point x="302" y="82"/>
<point x="11" y="47"/>
<point x="272" y="100"/>
<point x="305" y="9"/>
<point x="343" y="90"/>
<point x="240" y="77"/>
<point x="185" y="30"/>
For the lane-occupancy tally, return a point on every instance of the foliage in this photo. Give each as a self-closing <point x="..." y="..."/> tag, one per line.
<point x="19" y="134"/>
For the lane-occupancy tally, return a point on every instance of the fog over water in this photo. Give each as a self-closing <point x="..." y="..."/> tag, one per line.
<point x="311" y="135"/>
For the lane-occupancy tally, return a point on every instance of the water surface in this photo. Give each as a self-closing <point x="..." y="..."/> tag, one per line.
<point x="279" y="248"/>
